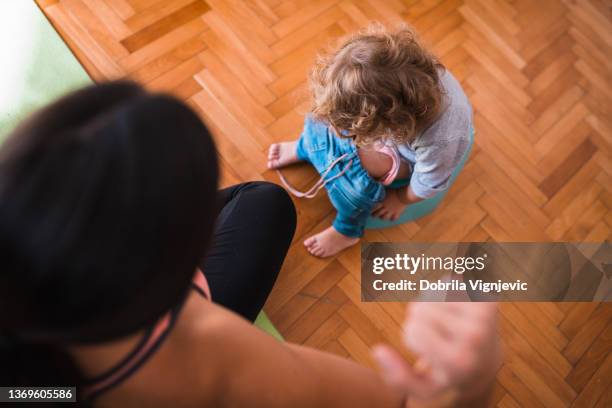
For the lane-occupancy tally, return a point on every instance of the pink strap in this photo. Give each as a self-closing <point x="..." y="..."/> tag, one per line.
<point x="312" y="192"/>
<point x="395" y="162"/>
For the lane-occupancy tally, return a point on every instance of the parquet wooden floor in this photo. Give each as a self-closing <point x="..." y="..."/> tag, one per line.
<point x="539" y="76"/>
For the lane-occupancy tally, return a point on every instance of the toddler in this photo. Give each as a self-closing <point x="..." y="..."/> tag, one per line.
<point x="384" y="111"/>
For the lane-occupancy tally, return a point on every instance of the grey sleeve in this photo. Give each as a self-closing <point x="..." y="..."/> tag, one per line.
<point x="439" y="150"/>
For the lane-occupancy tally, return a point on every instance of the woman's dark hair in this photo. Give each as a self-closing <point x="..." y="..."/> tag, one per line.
<point x="107" y="205"/>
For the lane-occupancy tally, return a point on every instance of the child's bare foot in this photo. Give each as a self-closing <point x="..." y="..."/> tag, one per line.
<point x="328" y="242"/>
<point x="282" y="154"/>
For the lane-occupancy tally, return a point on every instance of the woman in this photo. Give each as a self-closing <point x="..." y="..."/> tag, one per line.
<point x="110" y="219"/>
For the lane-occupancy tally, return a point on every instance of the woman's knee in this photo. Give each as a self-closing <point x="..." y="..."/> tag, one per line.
<point x="281" y="203"/>
<point x="275" y="202"/>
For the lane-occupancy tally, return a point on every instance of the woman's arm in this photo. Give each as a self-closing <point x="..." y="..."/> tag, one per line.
<point x="232" y="363"/>
<point x="253" y="369"/>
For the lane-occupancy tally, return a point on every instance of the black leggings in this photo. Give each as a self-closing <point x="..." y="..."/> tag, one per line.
<point x="254" y="228"/>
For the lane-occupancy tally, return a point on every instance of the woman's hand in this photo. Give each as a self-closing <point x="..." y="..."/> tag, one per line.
<point x="458" y="354"/>
<point x="391" y="207"/>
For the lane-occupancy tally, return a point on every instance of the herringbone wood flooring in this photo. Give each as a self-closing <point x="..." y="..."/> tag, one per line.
<point x="538" y="75"/>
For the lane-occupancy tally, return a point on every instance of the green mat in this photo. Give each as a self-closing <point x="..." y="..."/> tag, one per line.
<point x="37" y="68"/>
<point x="266" y="325"/>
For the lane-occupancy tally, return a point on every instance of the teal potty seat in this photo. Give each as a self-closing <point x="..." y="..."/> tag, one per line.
<point x="422" y="208"/>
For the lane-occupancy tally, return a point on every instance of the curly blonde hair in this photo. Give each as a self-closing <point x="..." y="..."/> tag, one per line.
<point x="378" y="84"/>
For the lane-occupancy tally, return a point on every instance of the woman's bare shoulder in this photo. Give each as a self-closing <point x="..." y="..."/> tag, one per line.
<point x="189" y="363"/>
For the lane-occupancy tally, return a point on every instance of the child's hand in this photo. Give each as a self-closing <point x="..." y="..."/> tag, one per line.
<point x="391" y="207"/>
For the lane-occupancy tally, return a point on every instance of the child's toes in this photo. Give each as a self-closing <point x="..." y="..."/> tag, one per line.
<point x="316" y="250"/>
<point x="273" y="163"/>
<point x="273" y="152"/>
<point x="318" y="254"/>
<point x="310" y="242"/>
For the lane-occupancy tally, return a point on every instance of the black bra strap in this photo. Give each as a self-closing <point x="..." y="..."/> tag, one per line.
<point x="173" y="318"/>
